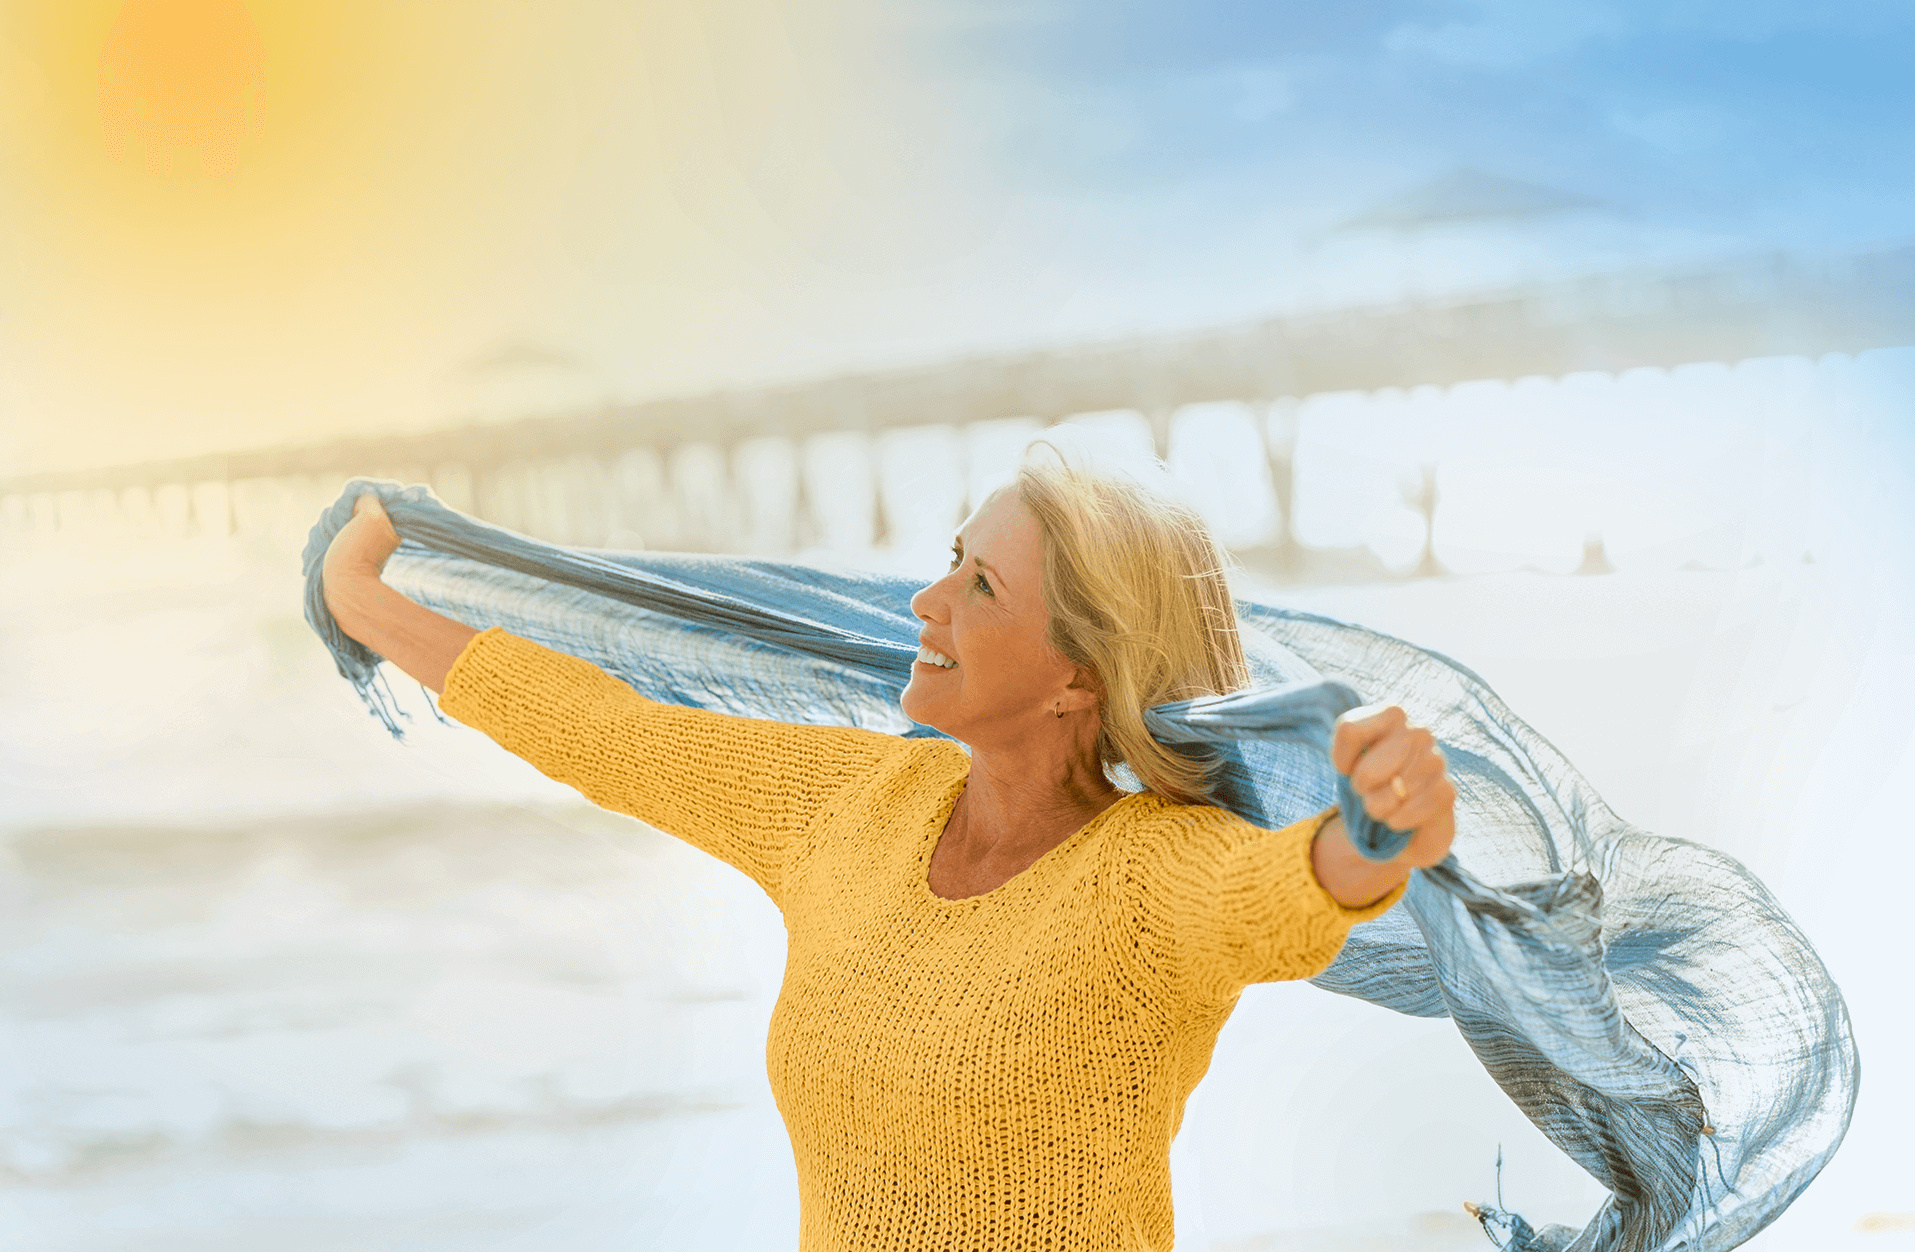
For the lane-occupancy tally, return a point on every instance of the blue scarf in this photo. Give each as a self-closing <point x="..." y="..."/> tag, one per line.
<point x="1644" y="1000"/>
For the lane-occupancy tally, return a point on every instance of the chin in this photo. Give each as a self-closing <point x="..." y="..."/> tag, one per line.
<point x="918" y="707"/>
<point x="912" y="706"/>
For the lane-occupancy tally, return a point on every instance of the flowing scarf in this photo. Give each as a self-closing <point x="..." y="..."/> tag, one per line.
<point x="1644" y="1000"/>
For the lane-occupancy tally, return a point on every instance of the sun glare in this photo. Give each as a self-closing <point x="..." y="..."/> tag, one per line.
<point x="182" y="77"/>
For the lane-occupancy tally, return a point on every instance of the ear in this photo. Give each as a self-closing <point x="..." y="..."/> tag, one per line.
<point x="1085" y="691"/>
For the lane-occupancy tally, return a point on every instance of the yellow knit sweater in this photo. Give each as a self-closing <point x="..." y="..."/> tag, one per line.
<point x="1001" y="1072"/>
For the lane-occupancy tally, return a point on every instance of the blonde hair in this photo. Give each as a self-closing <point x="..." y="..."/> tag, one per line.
<point x="1138" y="594"/>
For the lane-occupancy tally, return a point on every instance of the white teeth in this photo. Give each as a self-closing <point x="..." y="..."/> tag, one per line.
<point x="932" y="657"/>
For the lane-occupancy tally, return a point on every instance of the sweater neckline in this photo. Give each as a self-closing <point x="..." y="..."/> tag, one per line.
<point x="941" y="815"/>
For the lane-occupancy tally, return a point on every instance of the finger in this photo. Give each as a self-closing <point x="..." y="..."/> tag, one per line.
<point x="1385" y="807"/>
<point x="1421" y="776"/>
<point x="372" y="507"/>
<point x="1359" y="730"/>
<point x="1436" y="801"/>
<point x="1411" y="756"/>
<point x="1396" y="754"/>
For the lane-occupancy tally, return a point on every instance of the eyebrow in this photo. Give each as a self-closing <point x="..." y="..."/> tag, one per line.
<point x="958" y="541"/>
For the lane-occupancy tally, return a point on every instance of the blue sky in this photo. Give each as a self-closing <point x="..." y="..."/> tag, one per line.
<point x="1776" y="122"/>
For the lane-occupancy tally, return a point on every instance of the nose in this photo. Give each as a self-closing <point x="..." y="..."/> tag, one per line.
<point x="930" y="604"/>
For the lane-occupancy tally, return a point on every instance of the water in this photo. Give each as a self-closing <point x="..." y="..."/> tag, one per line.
<point x="387" y="1028"/>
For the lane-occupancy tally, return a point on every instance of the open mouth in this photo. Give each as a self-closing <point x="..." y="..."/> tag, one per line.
<point x="931" y="656"/>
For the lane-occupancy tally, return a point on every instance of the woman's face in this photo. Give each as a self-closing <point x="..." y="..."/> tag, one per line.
<point x="989" y="616"/>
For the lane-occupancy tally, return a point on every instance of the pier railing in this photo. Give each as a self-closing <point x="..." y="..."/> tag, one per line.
<point x="1250" y="415"/>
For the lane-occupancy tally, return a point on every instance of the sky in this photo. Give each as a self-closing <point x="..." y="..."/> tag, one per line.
<point x="240" y="223"/>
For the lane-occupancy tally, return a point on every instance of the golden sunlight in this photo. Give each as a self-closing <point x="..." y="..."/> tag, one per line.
<point x="179" y="76"/>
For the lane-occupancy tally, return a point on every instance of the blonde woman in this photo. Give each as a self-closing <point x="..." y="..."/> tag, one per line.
<point x="1005" y="974"/>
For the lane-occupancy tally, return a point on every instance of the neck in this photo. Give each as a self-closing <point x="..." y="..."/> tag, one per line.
<point x="1023" y="801"/>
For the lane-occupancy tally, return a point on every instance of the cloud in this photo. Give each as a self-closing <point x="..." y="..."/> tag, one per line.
<point x="1765" y="19"/>
<point x="1675" y="131"/>
<point x="1259" y="92"/>
<point x="1508" y="34"/>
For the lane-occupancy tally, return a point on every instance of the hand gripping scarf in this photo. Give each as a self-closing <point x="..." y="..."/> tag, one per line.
<point x="1644" y="1000"/>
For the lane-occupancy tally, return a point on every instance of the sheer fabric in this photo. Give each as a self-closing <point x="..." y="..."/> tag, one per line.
<point x="1643" y="999"/>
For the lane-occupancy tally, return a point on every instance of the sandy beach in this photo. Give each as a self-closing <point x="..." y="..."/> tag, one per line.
<point x="271" y="979"/>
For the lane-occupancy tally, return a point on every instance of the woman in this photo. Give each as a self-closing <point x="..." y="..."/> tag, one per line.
<point x="1005" y="974"/>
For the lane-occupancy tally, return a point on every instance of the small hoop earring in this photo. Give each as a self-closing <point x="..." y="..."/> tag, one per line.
<point x="1058" y="708"/>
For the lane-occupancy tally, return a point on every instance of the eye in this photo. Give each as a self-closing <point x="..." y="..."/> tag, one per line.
<point x="984" y="586"/>
<point x="957" y="554"/>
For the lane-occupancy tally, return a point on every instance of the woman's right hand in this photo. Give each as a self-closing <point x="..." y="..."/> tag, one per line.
<point x="360" y="549"/>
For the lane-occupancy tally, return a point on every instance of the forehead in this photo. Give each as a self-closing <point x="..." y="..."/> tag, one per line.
<point x="1005" y="533"/>
<point x="1001" y="518"/>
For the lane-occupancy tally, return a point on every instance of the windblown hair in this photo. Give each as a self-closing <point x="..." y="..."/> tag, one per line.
<point x="1138" y="595"/>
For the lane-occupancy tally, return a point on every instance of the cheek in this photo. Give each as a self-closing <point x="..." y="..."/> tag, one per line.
<point x="1005" y="665"/>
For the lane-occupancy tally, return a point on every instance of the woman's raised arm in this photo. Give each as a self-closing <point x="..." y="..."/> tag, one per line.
<point x="743" y="789"/>
<point x="419" y="641"/>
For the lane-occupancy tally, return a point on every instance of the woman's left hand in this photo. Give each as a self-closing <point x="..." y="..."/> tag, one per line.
<point x="1400" y="772"/>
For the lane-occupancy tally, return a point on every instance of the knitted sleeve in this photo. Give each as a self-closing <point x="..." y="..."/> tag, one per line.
<point x="742" y="789"/>
<point x="1227" y="903"/>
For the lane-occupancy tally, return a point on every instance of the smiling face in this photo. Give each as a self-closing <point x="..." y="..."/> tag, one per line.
<point x="989" y="616"/>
